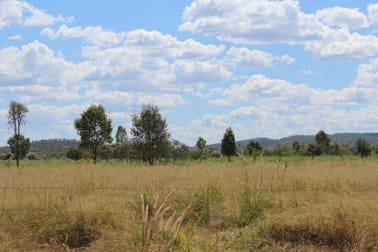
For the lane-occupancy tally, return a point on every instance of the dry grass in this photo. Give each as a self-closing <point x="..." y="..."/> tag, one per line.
<point x="307" y="205"/>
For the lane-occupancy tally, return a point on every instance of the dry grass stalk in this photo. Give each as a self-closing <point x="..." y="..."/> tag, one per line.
<point x="153" y="213"/>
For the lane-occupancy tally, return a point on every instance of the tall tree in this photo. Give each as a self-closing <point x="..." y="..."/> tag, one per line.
<point x="363" y="147"/>
<point x="229" y="144"/>
<point x="23" y="145"/>
<point x="16" y="118"/>
<point x="121" y="136"/>
<point x="94" y="129"/>
<point x="296" y="146"/>
<point x="201" y="146"/>
<point x="151" y="137"/>
<point x="253" y="148"/>
<point x="314" y="150"/>
<point x="323" y="141"/>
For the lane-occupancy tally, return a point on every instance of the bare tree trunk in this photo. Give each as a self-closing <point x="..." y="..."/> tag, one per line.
<point x="18" y="149"/>
<point x="95" y="155"/>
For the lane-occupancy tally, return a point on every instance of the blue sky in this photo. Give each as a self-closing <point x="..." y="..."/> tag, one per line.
<point x="265" y="68"/>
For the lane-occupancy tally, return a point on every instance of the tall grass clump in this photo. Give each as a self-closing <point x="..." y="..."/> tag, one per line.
<point x="207" y="203"/>
<point x="50" y="227"/>
<point x="342" y="231"/>
<point x="252" y="204"/>
<point x="156" y="226"/>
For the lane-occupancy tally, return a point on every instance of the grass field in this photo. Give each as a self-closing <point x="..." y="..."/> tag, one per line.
<point x="286" y="205"/>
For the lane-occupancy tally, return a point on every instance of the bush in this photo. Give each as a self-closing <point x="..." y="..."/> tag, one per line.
<point x="74" y="153"/>
<point x="104" y="152"/>
<point x="6" y="156"/>
<point x="121" y="151"/>
<point x="215" y="154"/>
<point x="33" y="156"/>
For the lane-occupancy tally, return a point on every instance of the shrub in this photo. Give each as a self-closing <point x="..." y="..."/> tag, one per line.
<point x="215" y="153"/>
<point x="33" y="156"/>
<point x="74" y="153"/>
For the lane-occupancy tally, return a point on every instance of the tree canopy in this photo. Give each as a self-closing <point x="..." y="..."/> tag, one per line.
<point x="296" y="146"/>
<point x="121" y="136"/>
<point x="16" y="118"/>
<point x="253" y="148"/>
<point x="150" y="134"/>
<point x="94" y="128"/>
<point x="363" y="147"/>
<point x="228" y="147"/>
<point x="201" y="146"/>
<point x="323" y="141"/>
<point x="24" y="145"/>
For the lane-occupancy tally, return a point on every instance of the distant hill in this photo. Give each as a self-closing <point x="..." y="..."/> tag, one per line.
<point x="49" y="146"/>
<point x="341" y="138"/>
<point x="53" y="146"/>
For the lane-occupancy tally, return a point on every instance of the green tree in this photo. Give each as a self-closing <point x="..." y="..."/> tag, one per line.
<point x="23" y="145"/>
<point x="281" y="150"/>
<point x="228" y="147"/>
<point x="179" y="150"/>
<point x="323" y="141"/>
<point x="254" y="149"/>
<point x="105" y="152"/>
<point x="296" y="146"/>
<point x="74" y="153"/>
<point x="121" y="136"/>
<point x="201" y="146"/>
<point x="363" y="147"/>
<point x="94" y="129"/>
<point x="151" y="137"/>
<point x="122" y="148"/>
<point x="16" y="118"/>
<point x="314" y="150"/>
<point x="121" y="151"/>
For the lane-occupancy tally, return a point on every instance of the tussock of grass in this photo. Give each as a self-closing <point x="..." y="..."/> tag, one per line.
<point x="341" y="231"/>
<point x="50" y="226"/>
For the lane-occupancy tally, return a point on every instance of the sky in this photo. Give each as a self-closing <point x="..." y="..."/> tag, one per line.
<point x="264" y="68"/>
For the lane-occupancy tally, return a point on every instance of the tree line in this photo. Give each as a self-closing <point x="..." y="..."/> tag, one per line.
<point x="150" y="140"/>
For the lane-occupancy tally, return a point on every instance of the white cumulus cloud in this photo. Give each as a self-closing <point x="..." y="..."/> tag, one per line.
<point x="23" y="13"/>
<point x="254" y="22"/>
<point x="249" y="59"/>
<point x="93" y="35"/>
<point x="343" y="17"/>
<point x="325" y="33"/>
<point x="156" y="43"/>
<point x="352" y="47"/>
<point x="34" y="63"/>
<point x="150" y="60"/>
<point x="373" y="13"/>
